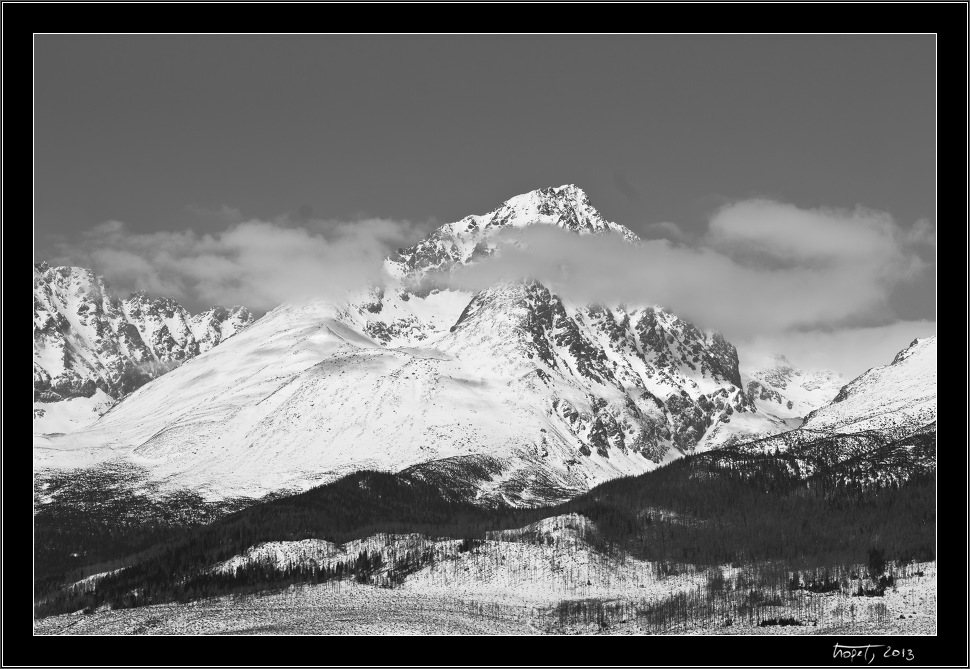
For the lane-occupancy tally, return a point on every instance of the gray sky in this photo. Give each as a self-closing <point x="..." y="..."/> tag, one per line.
<point x="188" y="135"/>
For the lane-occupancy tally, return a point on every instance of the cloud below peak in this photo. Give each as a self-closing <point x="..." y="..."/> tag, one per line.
<point x="255" y="263"/>
<point x="760" y="267"/>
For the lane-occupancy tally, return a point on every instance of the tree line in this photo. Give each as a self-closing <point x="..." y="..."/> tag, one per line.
<point x="707" y="509"/>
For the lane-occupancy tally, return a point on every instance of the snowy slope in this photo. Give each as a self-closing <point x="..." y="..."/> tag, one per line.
<point x="70" y="414"/>
<point x="301" y="398"/>
<point x="523" y="396"/>
<point x="546" y="561"/>
<point x="90" y="345"/>
<point x="898" y="396"/>
<point x="778" y="388"/>
<point x="881" y="427"/>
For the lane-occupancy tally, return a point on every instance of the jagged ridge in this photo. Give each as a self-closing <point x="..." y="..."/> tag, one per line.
<point x="86" y="338"/>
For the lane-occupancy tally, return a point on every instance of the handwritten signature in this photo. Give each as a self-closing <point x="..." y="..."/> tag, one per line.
<point x="870" y="652"/>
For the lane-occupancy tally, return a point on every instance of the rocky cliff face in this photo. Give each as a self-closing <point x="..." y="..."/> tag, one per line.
<point x="86" y="338"/>
<point x="650" y="381"/>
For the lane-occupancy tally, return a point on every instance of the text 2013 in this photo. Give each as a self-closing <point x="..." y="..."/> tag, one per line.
<point x="869" y="653"/>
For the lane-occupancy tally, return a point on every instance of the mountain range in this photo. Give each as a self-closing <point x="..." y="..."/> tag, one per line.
<point x="94" y="348"/>
<point x="511" y="394"/>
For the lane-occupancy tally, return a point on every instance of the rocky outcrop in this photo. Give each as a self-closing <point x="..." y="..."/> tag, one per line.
<point x="87" y="338"/>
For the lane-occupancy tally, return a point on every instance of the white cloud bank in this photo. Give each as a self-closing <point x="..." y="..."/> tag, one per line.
<point x="766" y="272"/>
<point x="762" y="267"/>
<point x="255" y="263"/>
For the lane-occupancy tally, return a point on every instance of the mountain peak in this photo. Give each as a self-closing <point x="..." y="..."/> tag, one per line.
<point x="899" y="395"/>
<point x="918" y="345"/>
<point x="566" y="207"/>
<point x="76" y="280"/>
<point x="566" y="192"/>
<point x="63" y="270"/>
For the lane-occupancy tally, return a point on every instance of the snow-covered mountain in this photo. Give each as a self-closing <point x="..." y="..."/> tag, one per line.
<point x="778" y="388"/>
<point x="900" y="396"/>
<point x="507" y="394"/>
<point x="470" y="239"/>
<point x="880" y="427"/>
<point x="91" y="348"/>
<point x="86" y="338"/>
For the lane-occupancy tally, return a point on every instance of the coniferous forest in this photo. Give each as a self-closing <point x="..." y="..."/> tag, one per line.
<point x="720" y="507"/>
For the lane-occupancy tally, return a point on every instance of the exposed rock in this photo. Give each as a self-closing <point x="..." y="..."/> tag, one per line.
<point x="86" y="338"/>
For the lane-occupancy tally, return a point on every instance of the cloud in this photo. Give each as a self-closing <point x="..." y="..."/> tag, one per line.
<point x="255" y="263"/>
<point x="761" y="267"/>
<point x="666" y="230"/>
<point x="922" y="234"/>
<point x="783" y="235"/>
